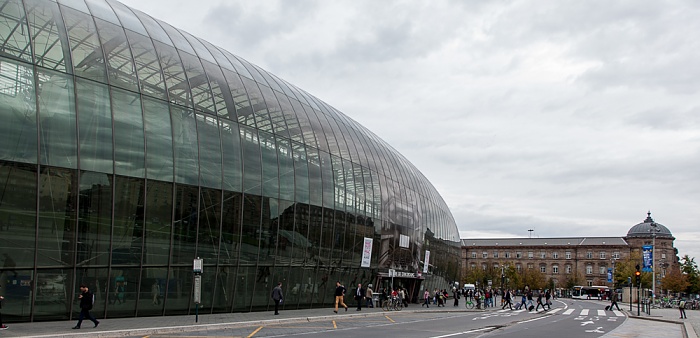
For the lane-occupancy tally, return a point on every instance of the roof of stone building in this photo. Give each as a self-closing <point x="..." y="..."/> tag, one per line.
<point x="647" y="228"/>
<point x="552" y="241"/>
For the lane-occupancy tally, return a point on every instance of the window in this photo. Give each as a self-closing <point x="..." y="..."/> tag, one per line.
<point x="568" y="255"/>
<point x="473" y="254"/>
<point x="530" y="254"/>
<point x="589" y="270"/>
<point x="568" y="269"/>
<point x="590" y="283"/>
<point x="507" y="254"/>
<point x="602" y="255"/>
<point x="530" y="266"/>
<point x="663" y="256"/>
<point x="483" y="266"/>
<point x="518" y="254"/>
<point x="616" y="255"/>
<point x="485" y="254"/>
<point x="495" y="254"/>
<point x="543" y="254"/>
<point x="495" y="266"/>
<point x="589" y="255"/>
<point x="543" y="268"/>
<point x="602" y="270"/>
<point x="518" y="267"/>
<point x="473" y="266"/>
<point x="555" y="269"/>
<point x="555" y="255"/>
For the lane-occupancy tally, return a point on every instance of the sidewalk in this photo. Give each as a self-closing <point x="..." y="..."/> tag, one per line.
<point x="661" y="323"/>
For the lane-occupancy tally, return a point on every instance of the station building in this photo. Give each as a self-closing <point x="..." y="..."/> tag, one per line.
<point x="130" y="148"/>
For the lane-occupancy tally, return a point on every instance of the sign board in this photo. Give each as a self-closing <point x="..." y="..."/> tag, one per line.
<point x="610" y="276"/>
<point x="392" y="273"/>
<point x="647" y="258"/>
<point x="366" y="253"/>
<point x="197" y="289"/>
<point x="426" y="261"/>
<point x="490" y="282"/>
<point x="197" y="265"/>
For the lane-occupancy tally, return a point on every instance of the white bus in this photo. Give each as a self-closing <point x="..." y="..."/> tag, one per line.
<point x="589" y="292"/>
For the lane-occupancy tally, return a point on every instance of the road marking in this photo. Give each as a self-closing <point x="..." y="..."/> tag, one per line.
<point x="555" y="310"/>
<point x="601" y="313"/>
<point x="465" y="332"/>
<point x="254" y="332"/>
<point x="596" y="330"/>
<point x="532" y="320"/>
<point x="618" y="313"/>
<point x="391" y="320"/>
<point x="334" y="325"/>
<point x="568" y="312"/>
<point x="584" y="312"/>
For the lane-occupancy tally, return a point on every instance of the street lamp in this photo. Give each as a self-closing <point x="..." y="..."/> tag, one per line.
<point x="654" y="230"/>
<point x="613" y="272"/>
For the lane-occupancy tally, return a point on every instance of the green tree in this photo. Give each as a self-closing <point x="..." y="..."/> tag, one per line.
<point x="675" y="281"/>
<point x="690" y="270"/>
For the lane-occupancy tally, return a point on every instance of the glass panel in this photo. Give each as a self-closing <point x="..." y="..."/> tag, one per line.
<point x="154" y="29"/>
<point x="209" y="225"/>
<point x="122" y="294"/>
<point x="251" y="161"/>
<point x="245" y="283"/>
<point x="276" y="115"/>
<point x="88" y="60"/>
<point x="185" y="145"/>
<point x="327" y="177"/>
<point x="185" y="224"/>
<point x="128" y="221"/>
<point x="48" y="35"/>
<point x="129" y="157"/>
<point x="270" y="167"/>
<point x="57" y="114"/>
<point x="127" y="17"/>
<point x="120" y="67"/>
<point x="238" y="67"/>
<point x="76" y="4"/>
<point x="240" y="97"/>
<point x="57" y="217"/>
<point x="301" y="173"/>
<point x="153" y="288"/>
<point x="13" y="30"/>
<point x="230" y="231"/>
<point x="260" y="114"/>
<point x="209" y="151"/>
<point x="175" y="79"/>
<point x="18" y="113"/>
<point x="147" y="66"/>
<point x="17" y="217"/>
<point x="179" y="290"/>
<point x="95" y="121"/>
<point x="252" y="71"/>
<point x="159" y="146"/>
<point x="159" y="205"/>
<point x="231" y="152"/>
<point x="315" y="190"/>
<point x="222" y="94"/>
<point x="177" y="38"/>
<point x="54" y="287"/>
<point x="17" y="290"/>
<point x="102" y="10"/>
<point x="286" y="168"/>
<point x="250" y="242"/>
<point x="318" y="129"/>
<point x="307" y="134"/>
<point x="202" y="51"/>
<point x="94" y="218"/>
<point x="198" y="83"/>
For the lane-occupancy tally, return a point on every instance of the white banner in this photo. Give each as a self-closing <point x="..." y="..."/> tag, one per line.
<point x="426" y="261"/>
<point x="366" y="253"/>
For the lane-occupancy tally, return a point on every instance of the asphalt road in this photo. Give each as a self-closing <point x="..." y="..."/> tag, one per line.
<point x="571" y="318"/>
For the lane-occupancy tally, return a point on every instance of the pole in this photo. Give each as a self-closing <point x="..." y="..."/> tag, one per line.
<point x="630" y="297"/>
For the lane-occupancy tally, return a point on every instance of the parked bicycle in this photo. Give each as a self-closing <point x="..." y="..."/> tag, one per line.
<point x="393" y="304"/>
<point x="469" y="303"/>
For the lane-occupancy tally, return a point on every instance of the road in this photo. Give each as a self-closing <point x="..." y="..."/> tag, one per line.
<point x="572" y="318"/>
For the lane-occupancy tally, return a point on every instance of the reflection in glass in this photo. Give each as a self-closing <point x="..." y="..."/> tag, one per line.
<point x="18" y="113"/>
<point x="58" y="193"/>
<point x="95" y="122"/>
<point x="129" y="143"/>
<point x="57" y="120"/>
<point x="94" y="218"/>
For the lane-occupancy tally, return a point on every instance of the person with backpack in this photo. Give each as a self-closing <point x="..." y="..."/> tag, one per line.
<point x="87" y="300"/>
<point x="530" y="306"/>
<point x="681" y="308"/>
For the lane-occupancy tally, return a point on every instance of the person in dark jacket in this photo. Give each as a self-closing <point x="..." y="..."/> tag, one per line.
<point x="339" y="296"/>
<point x="359" y="296"/>
<point x="276" y="296"/>
<point x="87" y="299"/>
<point x="540" y="295"/>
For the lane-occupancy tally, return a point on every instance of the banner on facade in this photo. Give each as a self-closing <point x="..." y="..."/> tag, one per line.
<point x="647" y="258"/>
<point x="610" y="276"/>
<point x="366" y="253"/>
<point x="426" y="261"/>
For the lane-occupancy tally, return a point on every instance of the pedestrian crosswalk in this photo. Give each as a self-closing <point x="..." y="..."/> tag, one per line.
<point x="570" y="312"/>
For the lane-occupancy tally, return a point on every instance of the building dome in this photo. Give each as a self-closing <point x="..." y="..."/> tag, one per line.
<point x="644" y="229"/>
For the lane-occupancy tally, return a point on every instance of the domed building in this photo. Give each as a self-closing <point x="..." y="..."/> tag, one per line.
<point x="567" y="260"/>
<point x="130" y="148"/>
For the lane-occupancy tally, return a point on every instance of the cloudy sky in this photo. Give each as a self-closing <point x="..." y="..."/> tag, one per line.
<point x="571" y="118"/>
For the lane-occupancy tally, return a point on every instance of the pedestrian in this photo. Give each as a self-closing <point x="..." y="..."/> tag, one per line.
<point x="426" y="296"/>
<point x="339" y="296"/>
<point x="613" y="301"/>
<point x="540" y="295"/>
<point x="530" y="306"/>
<point x="477" y="296"/>
<point x="507" y="300"/>
<point x="369" y="295"/>
<point x="523" y="301"/>
<point x="2" y="326"/>
<point x="383" y="297"/>
<point x="155" y="292"/>
<point x="547" y="300"/>
<point x="87" y="300"/>
<point x="277" y="296"/>
<point x="401" y="296"/>
<point x="455" y="295"/>
<point x="681" y="308"/>
<point x="359" y="296"/>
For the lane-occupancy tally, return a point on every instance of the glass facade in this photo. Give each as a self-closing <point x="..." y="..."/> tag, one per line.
<point x="129" y="148"/>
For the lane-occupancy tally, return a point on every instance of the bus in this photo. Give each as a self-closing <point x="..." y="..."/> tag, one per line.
<point x="589" y="292"/>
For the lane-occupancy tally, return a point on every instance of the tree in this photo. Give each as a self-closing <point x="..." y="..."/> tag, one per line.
<point x="690" y="269"/>
<point x="675" y="281"/>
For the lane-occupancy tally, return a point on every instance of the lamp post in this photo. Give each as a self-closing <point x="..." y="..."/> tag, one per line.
<point x="654" y="230"/>
<point x="613" y="273"/>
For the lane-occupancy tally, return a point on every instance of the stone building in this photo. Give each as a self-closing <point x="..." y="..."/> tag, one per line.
<point x="561" y="259"/>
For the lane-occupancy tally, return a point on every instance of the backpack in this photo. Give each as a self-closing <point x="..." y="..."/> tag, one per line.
<point x="681" y="305"/>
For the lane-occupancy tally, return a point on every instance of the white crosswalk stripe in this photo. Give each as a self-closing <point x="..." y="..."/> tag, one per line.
<point x="567" y="312"/>
<point x="618" y="313"/>
<point x="584" y="312"/>
<point x="601" y="313"/>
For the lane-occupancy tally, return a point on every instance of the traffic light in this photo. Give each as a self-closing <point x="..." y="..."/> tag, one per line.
<point x="637" y="277"/>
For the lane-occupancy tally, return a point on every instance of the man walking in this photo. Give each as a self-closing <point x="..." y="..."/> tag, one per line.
<point x="87" y="300"/>
<point x="507" y="300"/>
<point x="339" y="296"/>
<point x="276" y="296"/>
<point x="540" y="295"/>
<point x="370" y="295"/>
<point x="359" y="296"/>
<point x="613" y="301"/>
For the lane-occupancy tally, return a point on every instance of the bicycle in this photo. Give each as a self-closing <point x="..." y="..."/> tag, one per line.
<point x="468" y="303"/>
<point x="392" y="304"/>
